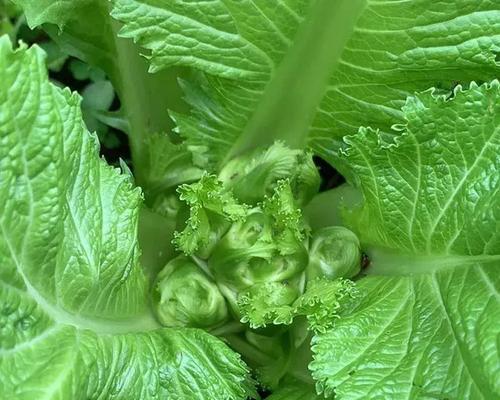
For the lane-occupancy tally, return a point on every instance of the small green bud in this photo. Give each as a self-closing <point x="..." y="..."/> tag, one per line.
<point x="334" y="253"/>
<point x="254" y="175"/>
<point x="186" y="296"/>
<point x="248" y="254"/>
<point x="251" y="253"/>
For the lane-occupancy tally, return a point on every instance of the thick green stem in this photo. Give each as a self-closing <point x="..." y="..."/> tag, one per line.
<point x="325" y="209"/>
<point x="155" y="235"/>
<point x="292" y="97"/>
<point x="145" y="98"/>
<point x="250" y="353"/>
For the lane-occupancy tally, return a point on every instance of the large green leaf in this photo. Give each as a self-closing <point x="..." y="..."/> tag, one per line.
<point x="432" y="336"/>
<point x="74" y="315"/>
<point x="435" y="190"/>
<point x="428" y="326"/>
<point x="283" y="69"/>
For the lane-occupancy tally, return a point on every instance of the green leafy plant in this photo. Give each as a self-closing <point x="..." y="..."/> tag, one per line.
<point x="214" y="268"/>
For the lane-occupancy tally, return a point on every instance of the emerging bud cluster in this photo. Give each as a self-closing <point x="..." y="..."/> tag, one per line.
<point x="245" y="241"/>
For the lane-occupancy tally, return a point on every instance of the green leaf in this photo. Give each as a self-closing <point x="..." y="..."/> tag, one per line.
<point x="434" y="190"/>
<point x="68" y="220"/>
<point x="284" y="70"/>
<point x="75" y="321"/>
<point x="429" y="336"/>
<point x="430" y="219"/>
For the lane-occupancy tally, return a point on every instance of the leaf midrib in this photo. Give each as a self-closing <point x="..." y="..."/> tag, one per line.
<point x="288" y="118"/>
<point x="390" y="262"/>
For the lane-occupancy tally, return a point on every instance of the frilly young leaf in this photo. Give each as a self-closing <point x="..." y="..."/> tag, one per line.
<point x="74" y="313"/>
<point x="268" y="303"/>
<point x="252" y="252"/>
<point x="427" y="326"/>
<point x="324" y="300"/>
<point x="267" y="246"/>
<point x="211" y="207"/>
<point x="287" y="223"/>
<point x="278" y="303"/>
